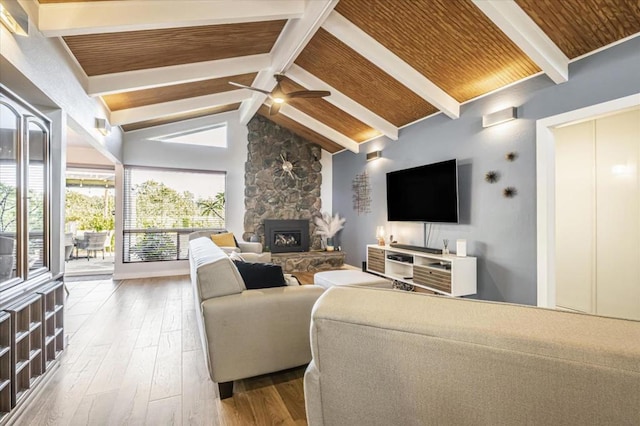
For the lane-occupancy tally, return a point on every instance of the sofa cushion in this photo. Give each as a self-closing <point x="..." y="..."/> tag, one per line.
<point x="260" y="275"/>
<point x="212" y="270"/>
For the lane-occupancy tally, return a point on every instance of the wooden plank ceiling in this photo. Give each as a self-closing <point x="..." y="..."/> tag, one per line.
<point x="136" y="50"/>
<point x="341" y="67"/>
<point x="388" y="63"/>
<point x="450" y="42"/>
<point x="138" y="98"/>
<point x="581" y="26"/>
<point x="304" y="132"/>
<point x="330" y="115"/>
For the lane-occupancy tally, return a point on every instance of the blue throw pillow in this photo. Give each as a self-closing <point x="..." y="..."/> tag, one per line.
<point x="260" y="275"/>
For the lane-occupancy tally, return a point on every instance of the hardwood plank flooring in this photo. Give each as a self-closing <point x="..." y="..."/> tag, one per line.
<point x="134" y="357"/>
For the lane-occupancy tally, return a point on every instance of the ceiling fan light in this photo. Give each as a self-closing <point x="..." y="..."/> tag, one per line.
<point x="278" y="100"/>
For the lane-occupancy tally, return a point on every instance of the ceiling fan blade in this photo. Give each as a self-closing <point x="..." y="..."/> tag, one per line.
<point x="309" y="94"/>
<point x="275" y="108"/>
<point x="242" y="86"/>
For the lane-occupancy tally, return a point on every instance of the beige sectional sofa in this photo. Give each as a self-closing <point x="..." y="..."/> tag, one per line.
<point x="385" y="357"/>
<point x="246" y="333"/>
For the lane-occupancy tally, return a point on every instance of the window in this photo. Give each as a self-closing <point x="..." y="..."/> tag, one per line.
<point x="211" y="136"/>
<point x="24" y="191"/>
<point x="36" y="196"/>
<point x="161" y="208"/>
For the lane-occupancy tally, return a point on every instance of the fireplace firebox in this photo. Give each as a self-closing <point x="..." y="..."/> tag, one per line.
<point x="284" y="236"/>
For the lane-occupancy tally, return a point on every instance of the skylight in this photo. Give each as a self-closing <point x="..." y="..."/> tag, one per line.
<point x="211" y="136"/>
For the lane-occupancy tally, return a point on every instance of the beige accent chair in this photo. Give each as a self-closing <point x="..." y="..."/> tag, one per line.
<point x="246" y="333"/>
<point x="388" y="357"/>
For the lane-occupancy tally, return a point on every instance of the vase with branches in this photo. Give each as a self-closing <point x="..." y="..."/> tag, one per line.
<point x="328" y="226"/>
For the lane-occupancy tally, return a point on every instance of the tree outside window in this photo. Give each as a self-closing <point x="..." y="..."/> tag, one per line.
<point x="163" y="206"/>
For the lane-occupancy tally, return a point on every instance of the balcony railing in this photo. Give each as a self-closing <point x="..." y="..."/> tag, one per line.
<point x="157" y="245"/>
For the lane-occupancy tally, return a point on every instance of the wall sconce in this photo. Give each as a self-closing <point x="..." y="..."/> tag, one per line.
<point x="380" y="235"/>
<point x="374" y="155"/>
<point x="103" y="126"/>
<point x="13" y="16"/>
<point x="499" y="117"/>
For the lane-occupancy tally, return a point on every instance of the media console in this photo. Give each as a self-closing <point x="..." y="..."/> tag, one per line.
<point x="441" y="273"/>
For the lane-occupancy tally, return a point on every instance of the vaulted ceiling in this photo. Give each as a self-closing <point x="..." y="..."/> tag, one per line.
<point x="387" y="63"/>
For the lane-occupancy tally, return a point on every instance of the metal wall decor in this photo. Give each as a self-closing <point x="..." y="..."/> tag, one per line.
<point x="509" y="192"/>
<point x="492" y="176"/>
<point x="287" y="167"/>
<point x="361" y="194"/>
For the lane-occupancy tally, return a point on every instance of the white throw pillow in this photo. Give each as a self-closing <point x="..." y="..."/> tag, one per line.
<point x="291" y="280"/>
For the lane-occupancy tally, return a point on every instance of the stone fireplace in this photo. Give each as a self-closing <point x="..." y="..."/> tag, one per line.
<point x="285" y="236"/>
<point x="270" y="192"/>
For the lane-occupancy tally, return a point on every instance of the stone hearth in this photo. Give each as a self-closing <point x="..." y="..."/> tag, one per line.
<point x="310" y="261"/>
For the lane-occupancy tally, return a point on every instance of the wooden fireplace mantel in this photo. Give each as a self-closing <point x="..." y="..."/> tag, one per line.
<point x="309" y="261"/>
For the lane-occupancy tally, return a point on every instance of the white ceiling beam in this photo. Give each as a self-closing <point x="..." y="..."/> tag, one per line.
<point x="79" y="18"/>
<point x="150" y="112"/>
<point x="178" y="126"/>
<point x="342" y="101"/>
<point x="320" y="128"/>
<point x="295" y="35"/>
<point x="527" y="35"/>
<point x="127" y="81"/>
<point x="383" y="58"/>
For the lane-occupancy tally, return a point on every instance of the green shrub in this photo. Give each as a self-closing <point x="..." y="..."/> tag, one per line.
<point x="155" y="247"/>
<point x="100" y="223"/>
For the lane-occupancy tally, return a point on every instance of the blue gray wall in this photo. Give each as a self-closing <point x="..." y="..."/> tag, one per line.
<point x="501" y="232"/>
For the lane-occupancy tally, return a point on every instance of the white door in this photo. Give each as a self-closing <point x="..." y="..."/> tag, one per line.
<point x="575" y="217"/>
<point x="618" y="215"/>
<point x="598" y="216"/>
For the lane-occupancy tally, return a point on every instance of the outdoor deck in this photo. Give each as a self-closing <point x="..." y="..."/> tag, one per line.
<point x="93" y="266"/>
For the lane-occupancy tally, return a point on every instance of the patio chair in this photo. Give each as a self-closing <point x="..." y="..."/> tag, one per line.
<point x="92" y="242"/>
<point x="68" y="245"/>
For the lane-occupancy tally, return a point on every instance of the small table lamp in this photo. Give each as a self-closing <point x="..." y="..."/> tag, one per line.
<point x="380" y="235"/>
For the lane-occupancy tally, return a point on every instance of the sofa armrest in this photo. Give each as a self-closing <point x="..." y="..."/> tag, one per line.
<point x="258" y="331"/>
<point x="246" y="247"/>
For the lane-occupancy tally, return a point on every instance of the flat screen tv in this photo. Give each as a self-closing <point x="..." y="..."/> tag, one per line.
<point x="424" y="194"/>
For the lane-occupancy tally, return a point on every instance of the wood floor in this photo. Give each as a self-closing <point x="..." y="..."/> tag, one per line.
<point x="134" y="358"/>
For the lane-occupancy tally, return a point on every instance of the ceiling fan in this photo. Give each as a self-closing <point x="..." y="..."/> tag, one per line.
<point x="278" y="96"/>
